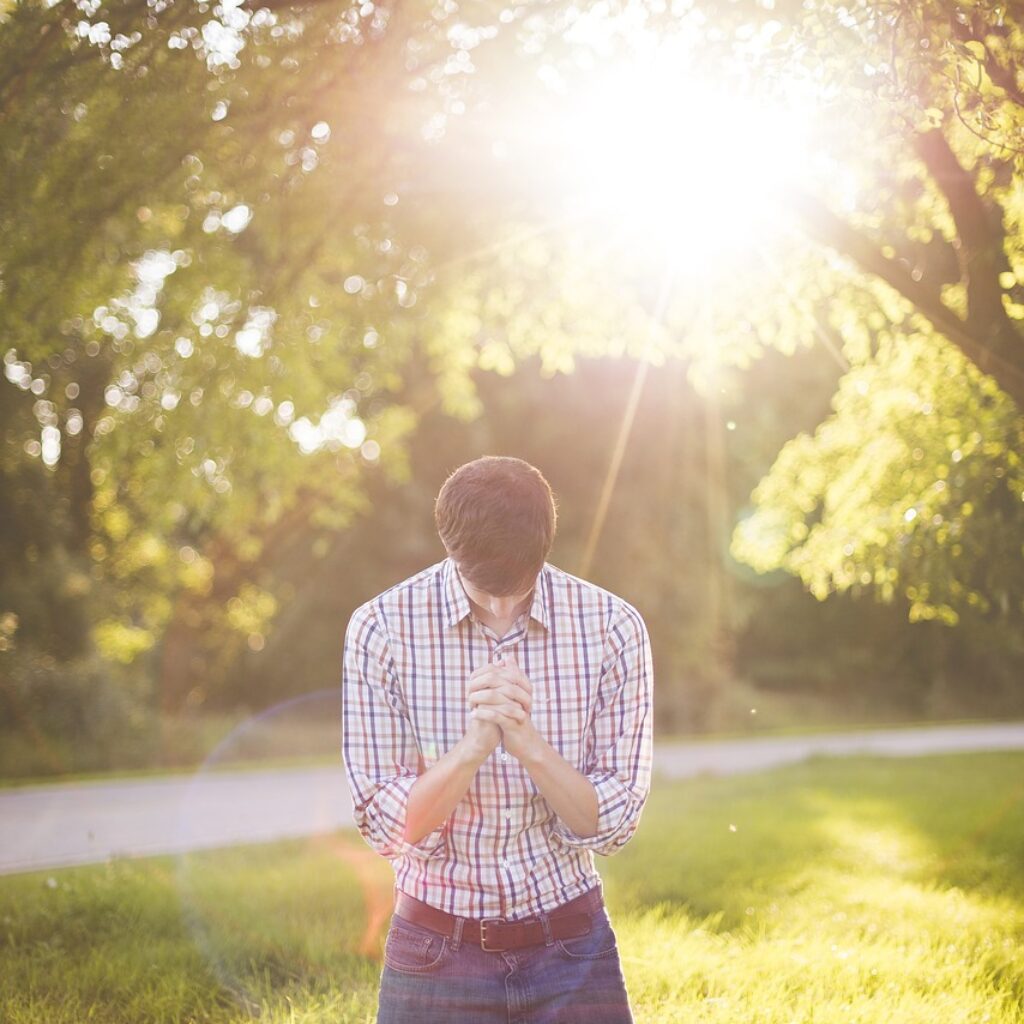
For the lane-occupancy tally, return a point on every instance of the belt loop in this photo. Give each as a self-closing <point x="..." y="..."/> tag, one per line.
<point x="457" y="934"/>
<point x="548" y="937"/>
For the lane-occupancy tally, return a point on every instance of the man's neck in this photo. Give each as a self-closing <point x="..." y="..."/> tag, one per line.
<point x="501" y="627"/>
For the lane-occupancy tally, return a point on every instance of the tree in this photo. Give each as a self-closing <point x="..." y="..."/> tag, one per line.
<point x="916" y="481"/>
<point x="910" y="265"/>
<point x="190" y="388"/>
<point x="222" y="313"/>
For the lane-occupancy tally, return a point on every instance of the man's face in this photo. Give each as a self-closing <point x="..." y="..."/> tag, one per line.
<point x="500" y="607"/>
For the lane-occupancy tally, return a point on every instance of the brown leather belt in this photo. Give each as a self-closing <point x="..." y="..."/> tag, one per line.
<point x="495" y="934"/>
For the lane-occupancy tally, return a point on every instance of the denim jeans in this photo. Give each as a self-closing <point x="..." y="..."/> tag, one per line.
<point x="430" y="978"/>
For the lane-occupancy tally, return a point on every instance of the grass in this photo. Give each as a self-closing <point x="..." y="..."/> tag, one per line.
<point x="839" y="728"/>
<point x="867" y="890"/>
<point x="741" y="710"/>
<point x="254" y="764"/>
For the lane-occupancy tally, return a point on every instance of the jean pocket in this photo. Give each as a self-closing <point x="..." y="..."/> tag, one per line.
<point x="598" y="943"/>
<point x="411" y="949"/>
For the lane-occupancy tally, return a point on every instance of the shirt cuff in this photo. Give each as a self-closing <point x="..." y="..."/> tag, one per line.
<point x="617" y="818"/>
<point x="392" y="805"/>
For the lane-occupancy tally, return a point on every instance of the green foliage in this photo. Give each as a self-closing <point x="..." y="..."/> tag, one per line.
<point x="74" y="714"/>
<point x="893" y="492"/>
<point x="176" y="359"/>
<point x="877" y="497"/>
<point x="245" y="251"/>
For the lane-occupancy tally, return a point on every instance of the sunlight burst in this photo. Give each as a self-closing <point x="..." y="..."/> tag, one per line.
<point x="678" y="161"/>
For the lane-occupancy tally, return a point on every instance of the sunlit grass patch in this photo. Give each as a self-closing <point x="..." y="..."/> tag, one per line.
<point x="837" y="895"/>
<point x="870" y="890"/>
<point x="843" y="951"/>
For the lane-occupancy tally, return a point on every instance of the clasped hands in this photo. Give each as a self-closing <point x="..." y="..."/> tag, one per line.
<point x="503" y="694"/>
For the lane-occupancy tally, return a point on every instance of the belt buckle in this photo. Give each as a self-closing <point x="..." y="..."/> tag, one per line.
<point x="483" y="935"/>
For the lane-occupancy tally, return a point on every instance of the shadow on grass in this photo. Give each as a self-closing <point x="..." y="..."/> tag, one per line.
<point x="215" y="935"/>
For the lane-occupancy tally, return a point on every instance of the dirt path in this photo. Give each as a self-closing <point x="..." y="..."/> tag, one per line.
<point x="57" y="825"/>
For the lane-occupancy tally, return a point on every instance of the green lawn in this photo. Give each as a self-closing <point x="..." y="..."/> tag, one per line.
<point x="870" y="890"/>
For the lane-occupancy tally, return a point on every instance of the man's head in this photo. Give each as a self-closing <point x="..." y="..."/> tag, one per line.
<point x="496" y="517"/>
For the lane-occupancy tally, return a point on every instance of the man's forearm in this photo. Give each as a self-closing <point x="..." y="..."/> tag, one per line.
<point x="438" y="790"/>
<point x="570" y="793"/>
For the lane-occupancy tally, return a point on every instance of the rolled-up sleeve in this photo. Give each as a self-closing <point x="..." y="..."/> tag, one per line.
<point x="378" y="746"/>
<point x="620" y="738"/>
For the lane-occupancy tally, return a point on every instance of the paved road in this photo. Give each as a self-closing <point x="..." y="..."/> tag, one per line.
<point x="56" y="825"/>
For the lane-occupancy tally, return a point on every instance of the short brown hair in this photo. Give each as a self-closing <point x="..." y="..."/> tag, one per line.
<point x="496" y="517"/>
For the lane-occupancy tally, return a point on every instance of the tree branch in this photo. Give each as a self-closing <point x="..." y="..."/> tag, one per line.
<point x="1003" y="76"/>
<point x="824" y="226"/>
<point x="981" y="254"/>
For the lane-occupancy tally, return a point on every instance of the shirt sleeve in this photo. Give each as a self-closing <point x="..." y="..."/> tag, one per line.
<point x="378" y="746"/>
<point x="620" y="739"/>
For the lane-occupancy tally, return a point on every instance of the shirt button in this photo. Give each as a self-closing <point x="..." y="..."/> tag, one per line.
<point x="504" y="757"/>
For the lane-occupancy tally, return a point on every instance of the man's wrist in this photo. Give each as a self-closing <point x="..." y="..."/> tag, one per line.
<point x="535" y="751"/>
<point x="471" y="752"/>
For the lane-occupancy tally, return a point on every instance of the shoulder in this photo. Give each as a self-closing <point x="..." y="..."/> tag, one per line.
<point x="402" y="596"/>
<point x="571" y="591"/>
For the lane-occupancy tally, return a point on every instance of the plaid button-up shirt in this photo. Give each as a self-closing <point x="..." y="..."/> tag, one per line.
<point x="502" y="852"/>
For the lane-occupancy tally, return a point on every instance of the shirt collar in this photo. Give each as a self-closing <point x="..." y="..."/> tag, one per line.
<point x="457" y="602"/>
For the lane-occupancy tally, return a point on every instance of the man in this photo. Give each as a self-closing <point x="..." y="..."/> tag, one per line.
<point x="497" y="732"/>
